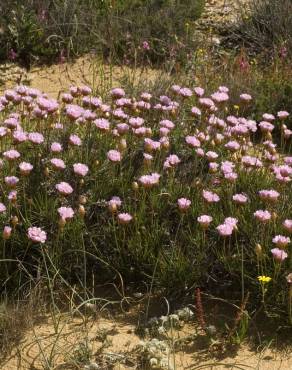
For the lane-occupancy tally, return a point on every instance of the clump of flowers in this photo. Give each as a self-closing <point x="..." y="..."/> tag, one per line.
<point x="70" y="159"/>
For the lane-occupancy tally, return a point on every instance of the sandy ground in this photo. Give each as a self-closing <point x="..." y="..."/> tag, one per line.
<point x="85" y="70"/>
<point x="111" y="344"/>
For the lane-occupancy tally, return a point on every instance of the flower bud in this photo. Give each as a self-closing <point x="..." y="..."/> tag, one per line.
<point x="113" y="207"/>
<point x="6" y="232"/>
<point x="135" y="186"/>
<point x="274" y="216"/>
<point x="283" y="127"/>
<point x="14" y="220"/>
<point x="81" y="210"/>
<point x="122" y="145"/>
<point x="82" y="199"/>
<point x="62" y="223"/>
<point x="46" y="172"/>
<point x="258" y="250"/>
<point x="165" y="145"/>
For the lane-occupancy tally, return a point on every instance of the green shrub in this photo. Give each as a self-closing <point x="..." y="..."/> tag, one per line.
<point x="116" y="29"/>
<point x="265" y="28"/>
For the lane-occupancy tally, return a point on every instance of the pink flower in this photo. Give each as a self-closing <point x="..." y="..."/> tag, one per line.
<point x="262" y="216"/>
<point x="102" y="124"/>
<point x="67" y="98"/>
<point x="25" y="168"/>
<point x="36" y="138"/>
<point x="64" y="188"/>
<point x="266" y="126"/>
<point x="282" y="114"/>
<point x="175" y="88"/>
<point x="167" y="124"/>
<point x="230" y="176"/>
<point x="278" y="254"/>
<point x="206" y="103"/>
<point x="122" y="128"/>
<point x="114" y="156"/>
<point x="56" y="147"/>
<point x="269" y="195"/>
<point x="193" y="141"/>
<point x="75" y="140"/>
<point x="220" y="97"/>
<point x="183" y="204"/>
<point x="196" y="111"/>
<point x="239" y="198"/>
<point x="245" y="97"/>
<point x="118" y="92"/>
<point x="233" y="146"/>
<point x="11" y="154"/>
<point x="185" y="92"/>
<point x="210" y="197"/>
<point x="287" y="224"/>
<point x="2" y="208"/>
<point x="37" y="235"/>
<point x="74" y="111"/>
<point x="171" y="161"/>
<point x="19" y="136"/>
<point x="124" y="218"/>
<point x="146" y="96"/>
<point x="231" y="221"/>
<point x="7" y="232"/>
<point x="281" y="241"/>
<point x="151" y="145"/>
<point x="12" y="196"/>
<point x="80" y="169"/>
<point x="148" y="181"/>
<point x="205" y="221"/>
<point x="136" y="122"/>
<point x="211" y="156"/>
<point x="225" y="229"/>
<point x="145" y="45"/>
<point x="199" y="91"/>
<point x="58" y="164"/>
<point x="213" y="167"/>
<point x="85" y="90"/>
<point x="3" y="131"/>
<point x="114" y="203"/>
<point x="11" y="181"/>
<point x="66" y="212"/>
<point x="268" y="117"/>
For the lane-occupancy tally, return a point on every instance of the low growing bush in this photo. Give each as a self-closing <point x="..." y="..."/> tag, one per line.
<point x="124" y="31"/>
<point x="265" y="28"/>
<point x="177" y="191"/>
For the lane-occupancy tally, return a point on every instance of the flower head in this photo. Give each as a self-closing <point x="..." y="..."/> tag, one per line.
<point x="80" y="169"/>
<point x="264" y="279"/>
<point x="183" y="204"/>
<point x="37" y="235"/>
<point x="114" y="155"/>
<point x="64" y="188"/>
<point x="204" y="221"/>
<point x="281" y="241"/>
<point x="66" y="212"/>
<point x="124" y="218"/>
<point x="279" y="255"/>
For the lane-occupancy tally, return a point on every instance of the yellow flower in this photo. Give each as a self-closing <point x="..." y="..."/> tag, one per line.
<point x="264" y="279"/>
<point x="236" y="107"/>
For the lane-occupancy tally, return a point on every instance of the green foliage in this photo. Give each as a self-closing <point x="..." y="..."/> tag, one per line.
<point x="266" y="28"/>
<point x="45" y="31"/>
